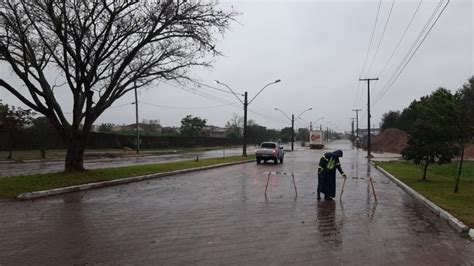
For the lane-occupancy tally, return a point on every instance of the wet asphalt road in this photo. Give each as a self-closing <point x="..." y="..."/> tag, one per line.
<point x="28" y="168"/>
<point x="221" y="216"/>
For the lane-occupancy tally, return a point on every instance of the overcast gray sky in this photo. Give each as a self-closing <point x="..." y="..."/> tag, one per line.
<point x="317" y="49"/>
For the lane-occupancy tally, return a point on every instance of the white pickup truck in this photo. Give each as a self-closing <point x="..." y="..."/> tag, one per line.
<point x="269" y="151"/>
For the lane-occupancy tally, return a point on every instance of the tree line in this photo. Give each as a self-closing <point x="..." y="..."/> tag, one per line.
<point x="439" y="125"/>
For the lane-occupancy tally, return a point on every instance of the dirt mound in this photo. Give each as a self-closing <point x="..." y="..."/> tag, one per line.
<point x="390" y="140"/>
<point x="469" y="151"/>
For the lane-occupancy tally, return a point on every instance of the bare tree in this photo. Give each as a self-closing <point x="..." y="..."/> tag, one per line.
<point x="100" y="50"/>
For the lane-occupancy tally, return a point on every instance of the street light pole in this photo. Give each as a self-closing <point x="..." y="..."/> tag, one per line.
<point x="293" y="119"/>
<point x="244" y="142"/>
<point x="245" y="103"/>
<point x="292" y="132"/>
<point x="136" y="120"/>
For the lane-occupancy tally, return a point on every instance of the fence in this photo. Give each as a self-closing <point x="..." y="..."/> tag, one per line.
<point x="29" y="140"/>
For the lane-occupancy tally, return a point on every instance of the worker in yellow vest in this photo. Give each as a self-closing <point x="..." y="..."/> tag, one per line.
<point x="327" y="174"/>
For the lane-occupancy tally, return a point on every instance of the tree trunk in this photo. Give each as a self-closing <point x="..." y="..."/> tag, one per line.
<point x="75" y="154"/>
<point x="456" y="187"/>
<point x="425" y="169"/>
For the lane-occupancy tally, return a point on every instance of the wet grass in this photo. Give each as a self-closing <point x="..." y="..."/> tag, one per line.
<point x="440" y="185"/>
<point x="11" y="187"/>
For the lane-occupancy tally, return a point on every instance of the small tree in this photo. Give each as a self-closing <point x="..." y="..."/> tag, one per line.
<point x="303" y="134"/>
<point x="106" y="127"/>
<point x="430" y="140"/>
<point x="256" y="132"/>
<point x="192" y="126"/>
<point x="464" y="119"/>
<point x="235" y="126"/>
<point x="13" y="120"/>
<point x="389" y="120"/>
<point x="42" y="127"/>
<point x="285" y="134"/>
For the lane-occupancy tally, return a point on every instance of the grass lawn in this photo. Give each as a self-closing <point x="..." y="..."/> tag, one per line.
<point x="11" y="187"/>
<point x="439" y="186"/>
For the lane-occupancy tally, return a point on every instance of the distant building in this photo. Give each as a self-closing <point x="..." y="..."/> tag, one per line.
<point x="215" y="132"/>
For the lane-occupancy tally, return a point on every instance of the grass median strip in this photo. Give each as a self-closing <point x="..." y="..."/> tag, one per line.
<point x="10" y="187"/>
<point x="439" y="186"/>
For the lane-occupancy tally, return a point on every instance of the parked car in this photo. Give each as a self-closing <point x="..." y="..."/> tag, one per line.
<point x="270" y="151"/>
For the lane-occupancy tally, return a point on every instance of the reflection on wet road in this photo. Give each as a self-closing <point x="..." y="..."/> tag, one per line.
<point x="13" y="169"/>
<point x="222" y="216"/>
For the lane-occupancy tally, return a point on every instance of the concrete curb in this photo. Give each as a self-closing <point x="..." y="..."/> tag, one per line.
<point x="57" y="191"/>
<point x="460" y="227"/>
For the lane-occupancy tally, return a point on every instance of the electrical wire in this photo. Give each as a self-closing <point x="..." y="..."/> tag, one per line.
<point x="397" y="75"/>
<point x="401" y="39"/>
<point x="368" y="52"/>
<point x="381" y="37"/>
<point x="187" y="107"/>
<point x="223" y="101"/>
<point x="111" y="107"/>
<point x="200" y="93"/>
<point x="214" y="88"/>
<point x="371" y="39"/>
<point x="420" y="34"/>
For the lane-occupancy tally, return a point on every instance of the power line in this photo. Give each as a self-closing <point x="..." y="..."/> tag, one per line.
<point x="214" y="88"/>
<point x="381" y="37"/>
<point x="420" y="34"/>
<point x="187" y="107"/>
<point x="401" y="39"/>
<point x="217" y="99"/>
<point x="371" y="39"/>
<point x="111" y="107"/>
<point x="202" y="94"/>
<point x="368" y="51"/>
<point x="266" y="116"/>
<point x="390" y="84"/>
<point x="122" y="105"/>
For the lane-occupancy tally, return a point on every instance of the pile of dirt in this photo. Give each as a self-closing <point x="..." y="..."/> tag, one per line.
<point x="469" y="151"/>
<point x="390" y="140"/>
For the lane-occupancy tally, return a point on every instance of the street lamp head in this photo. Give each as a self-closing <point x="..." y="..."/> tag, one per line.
<point x="311" y="108"/>
<point x="276" y="81"/>
<point x="277" y="109"/>
<point x="216" y="81"/>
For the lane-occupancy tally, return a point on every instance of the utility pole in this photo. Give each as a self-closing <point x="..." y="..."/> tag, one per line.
<point x="352" y="134"/>
<point x="357" y="126"/>
<point x="244" y="144"/>
<point x="292" y="132"/>
<point x="368" y="114"/>
<point x="136" y="120"/>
